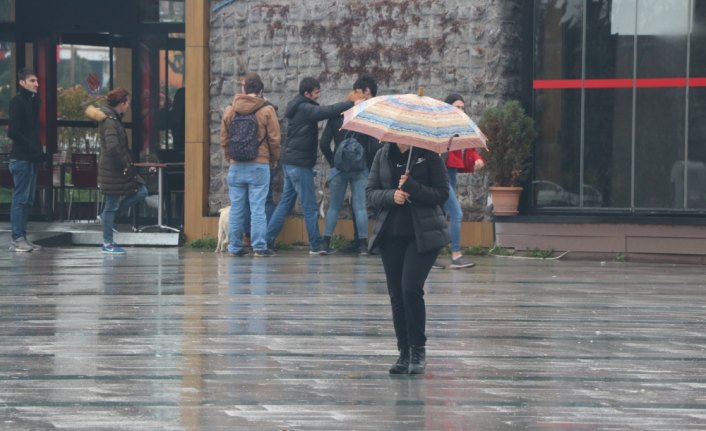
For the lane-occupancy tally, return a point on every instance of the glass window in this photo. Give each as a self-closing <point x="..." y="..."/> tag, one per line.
<point x="7" y="10"/>
<point x="558" y="39"/>
<point x="557" y="150"/>
<point x="83" y="77"/>
<point x="7" y="89"/>
<point x="610" y="36"/>
<point x="162" y="10"/>
<point x="696" y="164"/>
<point x="662" y="30"/>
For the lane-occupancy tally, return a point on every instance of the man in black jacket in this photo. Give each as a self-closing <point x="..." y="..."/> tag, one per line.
<point x="25" y="157"/>
<point x="299" y="157"/>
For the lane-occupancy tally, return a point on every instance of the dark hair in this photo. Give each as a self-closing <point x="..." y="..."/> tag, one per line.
<point x="453" y="97"/>
<point x="366" y="81"/>
<point x="25" y="73"/>
<point x="253" y="85"/>
<point x="117" y="96"/>
<point x="308" y="85"/>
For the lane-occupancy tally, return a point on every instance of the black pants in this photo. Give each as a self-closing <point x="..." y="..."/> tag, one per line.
<point x="406" y="271"/>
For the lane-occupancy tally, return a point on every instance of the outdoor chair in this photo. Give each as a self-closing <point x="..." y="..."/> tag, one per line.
<point x="84" y="176"/>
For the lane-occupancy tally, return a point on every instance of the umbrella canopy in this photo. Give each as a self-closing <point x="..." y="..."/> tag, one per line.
<point x="414" y="120"/>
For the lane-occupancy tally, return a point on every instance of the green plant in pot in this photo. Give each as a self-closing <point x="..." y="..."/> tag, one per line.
<point x="510" y="132"/>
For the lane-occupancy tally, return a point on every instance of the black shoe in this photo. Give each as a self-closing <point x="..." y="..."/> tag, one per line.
<point x="418" y="360"/>
<point x="240" y="253"/>
<point x="318" y="251"/>
<point x="326" y="244"/>
<point x="402" y="364"/>
<point x="461" y="262"/>
<point x="438" y="265"/>
<point x="363" y="247"/>
<point x="264" y="253"/>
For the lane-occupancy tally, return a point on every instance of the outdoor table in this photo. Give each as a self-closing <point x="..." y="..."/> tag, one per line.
<point x="160" y="172"/>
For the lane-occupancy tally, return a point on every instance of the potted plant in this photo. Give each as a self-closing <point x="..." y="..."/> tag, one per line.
<point x="510" y="132"/>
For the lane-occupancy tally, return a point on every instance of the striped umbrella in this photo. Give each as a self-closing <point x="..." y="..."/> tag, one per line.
<point x="415" y="120"/>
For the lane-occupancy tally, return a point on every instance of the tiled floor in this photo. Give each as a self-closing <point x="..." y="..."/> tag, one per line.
<point x="169" y="339"/>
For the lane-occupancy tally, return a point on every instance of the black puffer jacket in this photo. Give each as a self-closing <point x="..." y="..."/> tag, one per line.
<point x="428" y="186"/>
<point x="303" y="115"/>
<point x="116" y="173"/>
<point x="24" y="127"/>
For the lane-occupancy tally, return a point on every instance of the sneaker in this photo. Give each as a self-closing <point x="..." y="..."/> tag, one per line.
<point x="35" y="247"/>
<point x="112" y="248"/>
<point x="240" y="253"/>
<point x="20" y="244"/>
<point x="362" y="247"/>
<point x="264" y="253"/>
<point x="438" y="265"/>
<point x="461" y="262"/>
<point x="320" y="251"/>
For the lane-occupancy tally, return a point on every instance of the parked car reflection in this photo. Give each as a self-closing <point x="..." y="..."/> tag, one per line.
<point x="551" y="194"/>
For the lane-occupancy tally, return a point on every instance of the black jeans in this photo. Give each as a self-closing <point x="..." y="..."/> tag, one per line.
<point x="406" y="271"/>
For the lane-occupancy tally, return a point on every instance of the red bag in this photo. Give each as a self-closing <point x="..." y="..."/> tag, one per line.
<point x="469" y="160"/>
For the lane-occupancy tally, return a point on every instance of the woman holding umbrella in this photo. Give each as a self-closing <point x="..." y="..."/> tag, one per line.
<point x="410" y="229"/>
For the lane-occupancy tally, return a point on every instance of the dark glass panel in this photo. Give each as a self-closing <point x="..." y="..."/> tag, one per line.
<point x="557" y="39"/>
<point x="662" y="27"/>
<point x="610" y="37"/>
<point x="607" y="148"/>
<point x="659" y="147"/>
<point x="557" y="153"/>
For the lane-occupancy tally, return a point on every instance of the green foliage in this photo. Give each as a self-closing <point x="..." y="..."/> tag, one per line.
<point x="298" y="244"/>
<point x="476" y="250"/>
<point x="620" y="257"/>
<point x="510" y="133"/>
<point x="207" y="243"/>
<point x="71" y="104"/>
<point x="497" y="250"/>
<point x="338" y="242"/>
<point x="539" y="253"/>
<point x="284" y="247"/>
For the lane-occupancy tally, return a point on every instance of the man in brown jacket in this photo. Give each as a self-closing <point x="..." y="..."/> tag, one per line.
<point x="250" y="138"/>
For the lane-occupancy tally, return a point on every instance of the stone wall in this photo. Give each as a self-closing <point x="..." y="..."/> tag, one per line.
<point x="466" y="46"/>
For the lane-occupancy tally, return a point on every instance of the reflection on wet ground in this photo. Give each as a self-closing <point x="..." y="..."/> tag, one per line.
<point x="169" y="339"/>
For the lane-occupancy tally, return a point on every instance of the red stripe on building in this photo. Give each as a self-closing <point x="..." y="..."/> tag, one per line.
<point x="562" y="84"/>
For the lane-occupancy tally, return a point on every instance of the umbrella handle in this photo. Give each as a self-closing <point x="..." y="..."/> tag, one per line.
<point x="408" y="168"/>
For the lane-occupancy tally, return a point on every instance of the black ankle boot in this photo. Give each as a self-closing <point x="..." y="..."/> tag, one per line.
<point x="326" y="244"/>
<point x="363" y="247"/>
<point x="418" y="360"/>
<point x="402" y="364"/>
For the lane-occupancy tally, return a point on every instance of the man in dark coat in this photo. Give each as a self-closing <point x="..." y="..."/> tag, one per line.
<point x="117" y="177"/>
<point x="299" y="157"/>
<point x="25" y="157"/>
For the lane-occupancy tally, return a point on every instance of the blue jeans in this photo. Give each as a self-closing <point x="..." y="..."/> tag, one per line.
<point x="452" y="172"/>
<point x="269" y="205"/>
<point x="113" y="204"/>
<point x="298" y="181"/>
<point x="24" y="177"/>
<point x="453" y="210"/>
<point x="247" y="186"/>
<point x="337" y="191"/>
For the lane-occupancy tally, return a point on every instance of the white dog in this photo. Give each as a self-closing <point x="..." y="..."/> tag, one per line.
<point x="222" y="244"/>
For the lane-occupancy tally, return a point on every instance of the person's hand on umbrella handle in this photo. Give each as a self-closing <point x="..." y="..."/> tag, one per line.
<point x="479" y="164"/>
<point x="401" y="197"/>
<point x="403" y="179"/>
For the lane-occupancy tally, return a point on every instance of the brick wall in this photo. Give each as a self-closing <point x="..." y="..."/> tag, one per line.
<point x="466" y="46"/>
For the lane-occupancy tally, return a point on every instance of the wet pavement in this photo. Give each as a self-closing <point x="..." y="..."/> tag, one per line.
<point x="173" y="339"/>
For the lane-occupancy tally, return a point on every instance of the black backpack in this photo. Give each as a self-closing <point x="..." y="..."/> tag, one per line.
<point x="350" y="155"/>
<point x="243" y="144"/>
